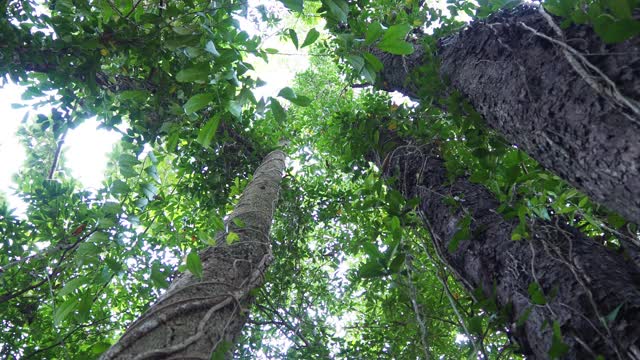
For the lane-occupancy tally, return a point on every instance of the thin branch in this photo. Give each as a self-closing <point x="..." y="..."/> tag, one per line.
<point x="56" y="155"/>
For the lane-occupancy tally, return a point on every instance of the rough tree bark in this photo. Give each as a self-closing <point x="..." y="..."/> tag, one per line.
<point x="566" y="98"/>
<point x="591" y="281"/>
<point x="196" y="317"/>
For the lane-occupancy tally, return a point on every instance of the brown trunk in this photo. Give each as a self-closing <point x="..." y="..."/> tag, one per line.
<point x="197" y="317"/>
<point x="564" y="97"/>
<point x="583" y="282"/>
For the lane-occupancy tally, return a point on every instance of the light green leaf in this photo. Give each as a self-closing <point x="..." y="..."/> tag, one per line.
<point x="393" y="40"/>
<point x="397" y="47"/>
<point x="373" y="33"/>
<point x="208" y="131"/>
<point x="194" y="265"/>
<point x="397" y="32"/>
<point x="64" y="310"/>
<point x="138" y="96"/>
<point x="70" y="286"/>
<point x="311" y="37"/>
<point x="211" y="47"/>
<point x="235" y="108"/>
<point x="197" y="102"/>
<point x="232" y="237"/>
<point x="196" y="74"/>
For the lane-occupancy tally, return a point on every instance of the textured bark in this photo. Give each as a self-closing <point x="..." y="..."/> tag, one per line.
<point x="197" y="316"/>
<point x="590" y="280"/>
<point x="537" y="88"/>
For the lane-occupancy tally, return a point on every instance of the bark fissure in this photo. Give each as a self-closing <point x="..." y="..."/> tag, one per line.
<point x="583" y="282"/>
<point x="563" y="96"/>
<point x="197" y="316"/>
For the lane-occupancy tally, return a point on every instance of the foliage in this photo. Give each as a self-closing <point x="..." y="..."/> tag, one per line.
<point x="355" y="275"/>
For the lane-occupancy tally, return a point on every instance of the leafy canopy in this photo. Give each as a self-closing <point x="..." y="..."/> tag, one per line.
<point x="355" y="275"/>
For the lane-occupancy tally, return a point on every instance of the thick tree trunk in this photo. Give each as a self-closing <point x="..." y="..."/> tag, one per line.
<point x="583" y="282"/>
<point x="567" y="99"/>
<point x="196" y="317"/>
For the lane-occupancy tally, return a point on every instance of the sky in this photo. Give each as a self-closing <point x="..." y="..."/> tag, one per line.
<point x="86" y="148"/>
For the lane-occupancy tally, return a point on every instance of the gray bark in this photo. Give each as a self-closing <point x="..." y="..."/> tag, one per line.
<point x="590" y="280"/>
<point x="195" y="317"/>
<point x="563" y="96"/>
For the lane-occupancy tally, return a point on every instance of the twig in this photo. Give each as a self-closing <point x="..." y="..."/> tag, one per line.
<point x="56" y="155"/>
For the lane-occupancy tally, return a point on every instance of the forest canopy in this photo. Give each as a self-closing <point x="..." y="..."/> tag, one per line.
<point x="460" y="180"/>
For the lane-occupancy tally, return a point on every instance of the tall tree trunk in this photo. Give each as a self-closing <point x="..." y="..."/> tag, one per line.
<point x="198" y="316"/>
<point x="566" y="98"/>
<point x="582" y="281"/>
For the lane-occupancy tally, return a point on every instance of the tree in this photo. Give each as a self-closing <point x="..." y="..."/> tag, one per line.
<point x="354" y="274"/>
<point x="203" y="311"/>
<point x="558" y="290"/>
<point x="572" y="106"/>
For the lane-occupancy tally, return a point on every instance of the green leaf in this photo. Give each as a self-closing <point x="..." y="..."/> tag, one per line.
<point x="149" y="190"/>
<point x="373" y="33"/>
<point x="356" y="61"/>
<point x="194" y="265"/>
<point x="396" y="264"/>
<point x="558" y="347"/>
<point x="393" y="40"/>
<point x="397" y="32"/>
<point x="614" y="31"/>
<point x="474" y="324"/>
<point x="371" y="269"/>
<point x="293" y="5"/>
<point x="399" y="47"/>
<point x="70" y="286"/>
<point x="119" y="187"/>
<point x="198" y="102"/>
<point x="522" y="319"/>
<point x="221" y="350"/>
<point x="197" y="74"/>
<point x="290" y="95"/>
<point x="462" y="234"/>
<point x="232" y="237"/>
<point x="613" y="314"/>
<point x="126" y="162"/>
<point x="287" y="93"/>
<point x="138" y="96"/>
<point x="208" y="131"/>
<point x="64" y="310"/>
<point x="311" y="37"/>
<point x="235" y="108"/>
<point x="338" y="9"/>
<point x="211" y="47"/>
<point x="277" y="110"/>
<point x="158" y="277"/>
<point x="536" y="294"/>
<point x="375" y="63"/>
<point x="294" y="37"/>
<point x="620" y="8"/>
